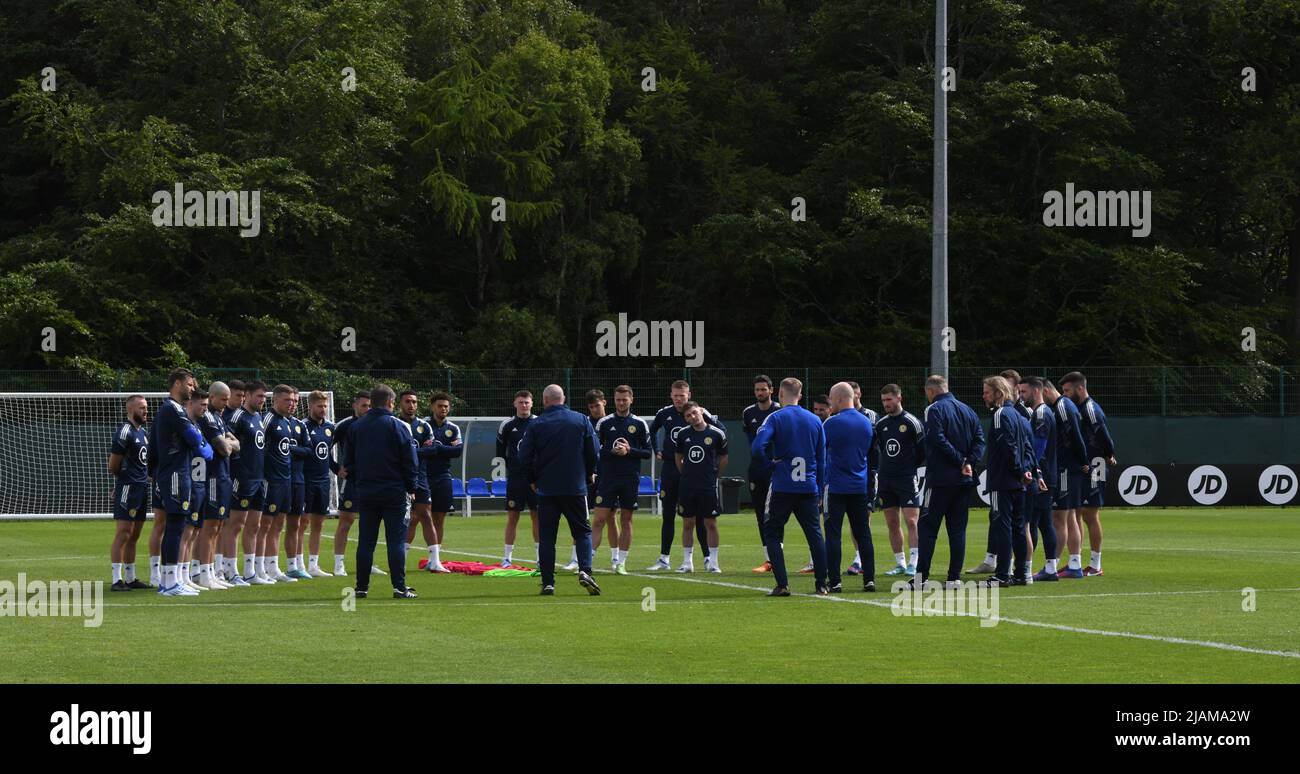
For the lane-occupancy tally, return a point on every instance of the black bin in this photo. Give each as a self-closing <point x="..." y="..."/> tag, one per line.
<point x="731" y="494"/>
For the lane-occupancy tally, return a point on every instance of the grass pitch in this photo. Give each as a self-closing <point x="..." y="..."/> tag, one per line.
<point x="1170" y="608"/>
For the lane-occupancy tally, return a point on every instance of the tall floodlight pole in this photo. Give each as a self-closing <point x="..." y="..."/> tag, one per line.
<point x="939" y="253"/>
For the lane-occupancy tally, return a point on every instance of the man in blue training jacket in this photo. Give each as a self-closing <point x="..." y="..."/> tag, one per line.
<point x="793" y="439"/>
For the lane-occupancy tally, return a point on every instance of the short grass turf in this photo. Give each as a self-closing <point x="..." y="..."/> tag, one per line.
<point x="1169" y="609"/>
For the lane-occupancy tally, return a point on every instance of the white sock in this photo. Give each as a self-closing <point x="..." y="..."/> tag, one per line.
<point x="537" y="550"/>
<point x="1029" y="567"/>
<point x="663" y="558"/>
<point x="990" y="558"/>
<point x="300" y="564"/>
<point x="898" y="557"/>
<point x="275" y="567"/>
<point x="435" y="550"/>
<point x="1050" y="567"/>
<point x="1074" y="562"/>
<point x="510" y="549"/>
<point x="313" y="562"/>
<point x="292" y="563"/>
<point x="614" y="555"/>
<point x="911" y="556"/>
<point x="713" y="555"/>
<point x="130" y="572"/>
<point x="406" y="547"/>
<point x="857" y="557"/>
<point x="688" y="556"/>
<point x="1096" y="560"/>
<point x="250" y="565"/>
<point x="573" y="555"/>
<point x="117" y="571"/>
<point x="766" y="557"/>
<point x="260" y="562"/>
<point x="155" y="569"/>
<point x="220" y="561"/>
<point x="338" y="561"/>
<point x="169" y="576"/>
<point x="205" y="574"/>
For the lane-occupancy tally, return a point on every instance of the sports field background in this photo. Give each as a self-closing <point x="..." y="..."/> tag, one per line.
<point x="1168" y="609"/>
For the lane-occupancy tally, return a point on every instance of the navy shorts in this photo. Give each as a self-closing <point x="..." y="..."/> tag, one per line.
<point x="318" y="497"/>
<point x="899" y="492"/>
<point x="248" y="495"/>
<point x="1068" y="492"/>
<point x="277" y="496"/>
<point x="129" y="501"/>
<point x="172" y="494"/>
<point x="422" y="495"/>
<point x="220" y="496"/>
<point x="198" y="505"/>
<point x="1096" y="495"/>
<point x="440" y="495"/>
<point x="299" y="502"/>
<point x="618" y="493"/>
<point x="698" y="503"/>
<point x="348" y="497"/>
<point x="519" y="495"/>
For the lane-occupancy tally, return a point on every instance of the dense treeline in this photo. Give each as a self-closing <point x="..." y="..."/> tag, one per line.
<point x="673" y="204"/>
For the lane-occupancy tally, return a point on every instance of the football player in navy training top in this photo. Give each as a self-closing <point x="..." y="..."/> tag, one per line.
<point x="176" y="441"/>
<point x="317" y="467"/>
<point x="447" y="446"/>
<point x="624" y="442"/>
<point x="760" y="472"/>
<point x="519" y="495"/>
<point x="1100" y="453"/>
<point x="247" y="425"/>
<point x="408" y="402"/>
<point x="701" y="456"/>
<point x="671" y="420"/>
<point x="277" y="488"/>
<point x="900" y="450"/>
<point x="128" y="464"/>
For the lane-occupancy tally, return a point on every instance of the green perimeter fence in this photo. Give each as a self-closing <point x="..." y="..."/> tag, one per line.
<point x="1123" y="391"/>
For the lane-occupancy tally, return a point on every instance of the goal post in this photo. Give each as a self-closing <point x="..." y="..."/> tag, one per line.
<point x="54" y="449"/>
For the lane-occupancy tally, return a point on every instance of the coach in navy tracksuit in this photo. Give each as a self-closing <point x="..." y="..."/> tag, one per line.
<point x="558" y="455"/>
<point x="954" y="441"/>
<point x="850" y="437"/>
<point x="793" y="438"/>
<point x="1009" y="470"/>
<point x="381" y="464"/>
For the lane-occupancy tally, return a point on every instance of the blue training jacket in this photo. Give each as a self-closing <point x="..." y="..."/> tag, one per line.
<point x="793" y="438"/>
<point x="558" y="452"/>
<point x="953" y="438"/>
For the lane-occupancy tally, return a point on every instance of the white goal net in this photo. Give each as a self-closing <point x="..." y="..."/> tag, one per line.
<point x="54" y="451"/>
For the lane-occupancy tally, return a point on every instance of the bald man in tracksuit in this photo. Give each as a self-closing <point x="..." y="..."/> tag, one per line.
<point x="558" y="456"/>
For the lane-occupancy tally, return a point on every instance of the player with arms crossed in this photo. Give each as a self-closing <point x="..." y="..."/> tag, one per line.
<point x="278" y="487"/>
<point x="217" y="509"/>
<point x="177" y="441"/>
